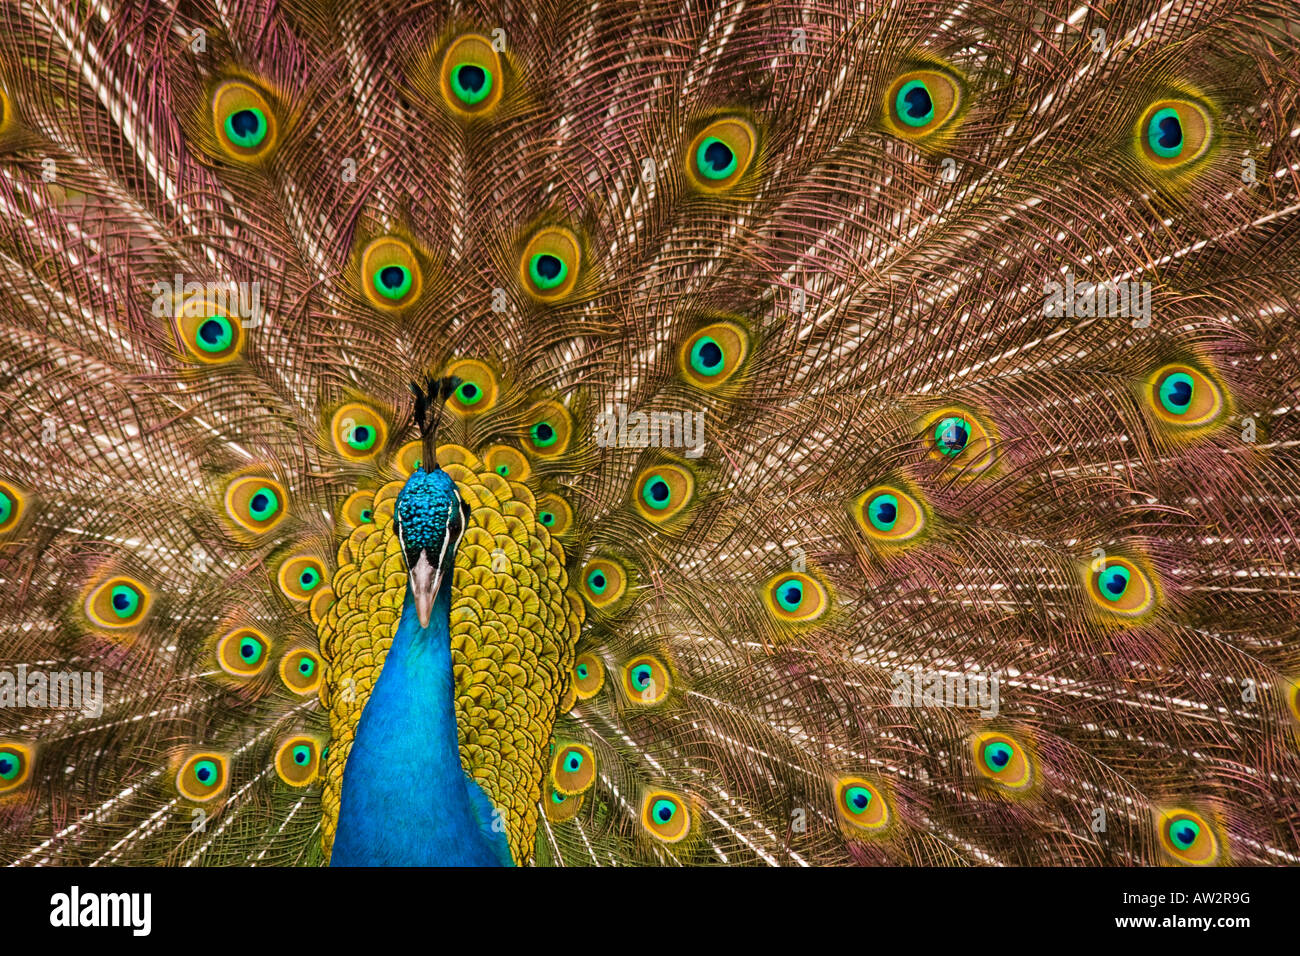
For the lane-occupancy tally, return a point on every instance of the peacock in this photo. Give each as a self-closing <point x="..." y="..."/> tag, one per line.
<point x="665" y="432"/>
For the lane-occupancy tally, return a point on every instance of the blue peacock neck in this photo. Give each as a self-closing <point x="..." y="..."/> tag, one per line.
<point x="405" y="799"/>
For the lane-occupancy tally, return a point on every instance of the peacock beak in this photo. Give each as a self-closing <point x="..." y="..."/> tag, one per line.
<point x="425" y="581"/>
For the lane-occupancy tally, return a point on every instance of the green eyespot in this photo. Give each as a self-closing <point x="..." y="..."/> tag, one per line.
<point x="715" y="159"/>
<point x="263" y="503"/>
<point x="214" y="334"/>
<point x="250" y="650"/>
<point x="544" y="434"/>
<point x="125" y="600"/>
<point x="246" y="128"/>
<point x="470" y="83"/>
<point x="789" y="594"/>
<point x="913" y="103"/>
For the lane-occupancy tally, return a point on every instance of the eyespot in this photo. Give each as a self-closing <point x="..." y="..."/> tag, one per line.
<point x="244" y="122"/>
<point x="202" y="777"/>
<point x="889" y="515"/>
<point x="297" y="761"/>
<point x="721" y="154"/>
<point x="301" y="577"/>
<point x="646" y="680"/>
<point x="548" y="429"/>
<point x="255" y="503"/>
<point x="15" y="765"/>
<point x="588" y="676"/>
<point x="955" y="435"/>
<point x="796" y="598"/>
<point x="1003" y="760"/>
<point x="1120" y="587"/>
<point x="358" y="509"/>
<point x="119" y="602"/>
<point x="12" y="504"/>
<point x="662" y="491"/>
<point x="550" y="264"/>
<point x="357" y="432"/>
<point x="714" y="354"/>
<point x="604" y="582"/>
<point x="471" y="76"/>
<point x="206" y="329"/>
<point x="507" y="462"/>
<point x="573" y="770"/>
<point x="561" y="808"/>
<point x="1188" y="837"/>
<point x="921" y="102"/>
<point x="1173" y="133"/>
<point x="410" y="457"/>
<point x="665" y="816"/>
<point x="554" y="514"/>
<point x="1181" y="395"/>
<point x="477" y="391"/>
<point x="243" y="652"/>
<point x="300" y="670"/>
<point x="390" y="273"/>
<point x="861" y="804"/>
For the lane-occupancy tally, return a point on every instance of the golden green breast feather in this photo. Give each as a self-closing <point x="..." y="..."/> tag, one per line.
<point x="514" y="625"/>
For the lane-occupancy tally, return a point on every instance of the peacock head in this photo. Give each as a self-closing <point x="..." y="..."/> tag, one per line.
<point x="430" y="518"/>
<point x="429" y="515"/>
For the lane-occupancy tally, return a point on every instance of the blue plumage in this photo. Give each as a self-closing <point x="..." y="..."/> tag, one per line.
<point x="406" y="800"/>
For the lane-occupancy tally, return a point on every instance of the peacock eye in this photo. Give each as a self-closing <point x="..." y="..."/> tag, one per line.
<point x="477" y="390"/>
<point x="664" y="816"/>
<point x="296" y="761"/>
<point x="549" y="429"/>
<point x="471" y="75"/>
<point x="573" y="769"/>
<point x="1183" y="396"/>
<point x="554" y="513"/>
<point x="391" y="271"/>
<point x="15" y="766"/>
<point x="550" y="264"/>
<point x="796" y="598"/>
<point x="860" y="804"/>
<point x="367" y="515"/>
<point x="242" y="652"/>
<point x="720" y="154"/>
<point x="544" y="435"/>
<point x="202" y="777"/>
<point x="117" y="603"/>
<point x="1174" y="132"/>
<point x="646" y="679"/>
<point x="358" y="432"/>
<point x="561" y="807"/>
<point x="920" y="102"/>
<point x="663" y="492"/>
<point x="956" y="435"/>
<point x="588" y="677"/>
<point x="300" y="671"/>
<point x="214" y="334"/>
<point x="11" y="507"/>
<point x="244" y="120"/>
<point x="604" y="582"/>
<point x="1119" y="586"/>
<point x="1188" y="837"/>
<point x="299" y="576"/>
<point x="889" y="515"/>
<point x="507" y="462"/>
<point x="1003" y="760"/>
<point x="255" y="503"/>
<point x="125" y="600"/>
<point x="263" y="503"/>
<point x="882" y="511"/>
<point x="208" y="334"/>
<point x="713" y="354"/>
<point x="952" y="435"/>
